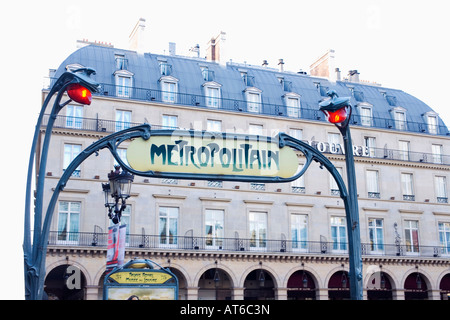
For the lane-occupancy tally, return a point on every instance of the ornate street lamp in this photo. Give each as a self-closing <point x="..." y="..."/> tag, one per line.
<point x="118" y="188"/>
<point x="338" y="111"/>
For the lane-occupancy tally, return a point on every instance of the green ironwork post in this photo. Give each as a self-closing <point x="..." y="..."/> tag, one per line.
<point x="32" y="252"/>
<point x="339" y="111"/>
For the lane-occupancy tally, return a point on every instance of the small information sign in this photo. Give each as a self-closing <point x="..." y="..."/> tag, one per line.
<point x="139" y="280"/>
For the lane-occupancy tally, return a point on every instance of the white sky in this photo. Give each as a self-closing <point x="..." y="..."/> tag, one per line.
<point x="401" y="44"/>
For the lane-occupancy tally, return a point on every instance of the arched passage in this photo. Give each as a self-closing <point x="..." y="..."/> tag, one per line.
<point x="301" y="286"/>
<point x="215" y="284"/>
<point x="444" y="286"/>
<point x="379" y="286"/>
<point x="182" y="283"/>
<point x="338" y="286"/>
<point x="416" y="287"/>
<point x="65" y="282"/>
<point x="259" y="285"/>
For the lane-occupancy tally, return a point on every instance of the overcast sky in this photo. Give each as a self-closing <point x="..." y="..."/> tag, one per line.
<point x="400" y="44"/>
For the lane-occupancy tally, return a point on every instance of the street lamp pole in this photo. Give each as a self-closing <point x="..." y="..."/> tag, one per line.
<point x="338" y="111"/>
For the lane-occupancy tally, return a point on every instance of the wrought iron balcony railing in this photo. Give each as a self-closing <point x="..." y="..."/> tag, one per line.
<point x="143" y="241"/>
<point x="107" y="126"/>
<point x="306" y="111"/>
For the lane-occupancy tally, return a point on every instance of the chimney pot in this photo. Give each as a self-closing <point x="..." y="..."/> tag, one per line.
<point x="281" y="63"/>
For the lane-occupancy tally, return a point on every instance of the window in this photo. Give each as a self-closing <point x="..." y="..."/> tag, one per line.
<point x="334" y="143"/>
<point x="70" y="153"/>
<point x="168" y="226"/>
<point x="74" y="117"/>
<point x="407" y="187"/>
<point x="296" y="133"/>
<point x="212" y="94"/>
<point x="208" y="75"/>
<point x="440" y="184"/>
<point x="169" y="122"/>
<point x="411" y="236"/>
<point x="403" y="150"/>
<point x="68" y="221"/>
<point x="432" y="124"/>
<point x="299" y="232"/>
<point x="214" y="228"/>
<point x="253" y="97"/>
<point x="292" y="102"/>
<point x="123" y="120"/>
<point x="366" y="116"/>
<point x="334" y="188"/>
<point x="255" y="129"/>
<point x="372" y="184"/>
<point x="370" y="143"/>
<point x="376" y="235"/>
<point x="436" y="150"/>
<point x="400" y="120"/>
<point x="165" y="69"/>
<point x="121" y="62"/>
<point x="258" y="230"/>
<point x="214" y="125"/>
<point x="338" y="234"/>
<point x="124" y="83"/>
<point x="122" y="153"/>
<point x="444" y="237"/>
<point x="333" y="138"/>
<point x="298" y="186"/>
<point x="169" y="88"/>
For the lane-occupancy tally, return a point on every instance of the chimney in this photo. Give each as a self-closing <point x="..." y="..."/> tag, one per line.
<point x="216" y="50"/>
<point x="172" y="48"/>
<point x="353" y="76"/>
<point x="281" y="64"/>
<point x="338" y="74"/>
<point x="324" y="66"/>
<point x="136" y="39"/>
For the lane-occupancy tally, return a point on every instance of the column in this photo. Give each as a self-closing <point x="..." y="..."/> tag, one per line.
<point x="434" y="294"/>
<point x="238" y="293"/>
<point x="92" y="292"/>
<point x="281" y="294"/>
<point x="322" y="294"/>
<point x="192" y="293"/>
<point x="398" y="294"/>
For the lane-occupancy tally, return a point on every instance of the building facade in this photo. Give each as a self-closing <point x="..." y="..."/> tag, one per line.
<point x="239" y="240"/>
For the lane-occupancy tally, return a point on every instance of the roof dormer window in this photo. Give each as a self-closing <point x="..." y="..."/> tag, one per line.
<point x="124" y="83"/>
<point x="399" y="115"/>
<point x="365" y="113"/>
<point x="292" y="103"/>
<point x="212" y="94"/>
<point x="253" y="98"/>
<point x="121" y="62"/>
<point x="165" y="69"/>
<point x="169" y="88"/>
<point x="431" y="119"/>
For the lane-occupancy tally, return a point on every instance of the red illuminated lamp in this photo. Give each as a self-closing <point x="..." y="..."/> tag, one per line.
<point x="79" y="94"/>
<point x="337" y="116"/>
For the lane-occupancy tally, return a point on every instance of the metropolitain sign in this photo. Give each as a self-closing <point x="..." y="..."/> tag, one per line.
<point x="206" y="155"/>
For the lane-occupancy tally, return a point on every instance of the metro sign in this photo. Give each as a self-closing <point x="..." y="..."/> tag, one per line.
<point x="207" y="155"/>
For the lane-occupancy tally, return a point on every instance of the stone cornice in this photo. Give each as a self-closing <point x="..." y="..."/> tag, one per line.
<point x="245" y="256"/>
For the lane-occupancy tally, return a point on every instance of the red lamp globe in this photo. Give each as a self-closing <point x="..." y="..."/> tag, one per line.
<point x="337" y="116"/>
<point x="79" y="94"/>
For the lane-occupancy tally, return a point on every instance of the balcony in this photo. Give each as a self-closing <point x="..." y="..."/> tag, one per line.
<point x="109" y="126"/>
<point x="306" y="111"/>
<point x="191" y="243"/>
